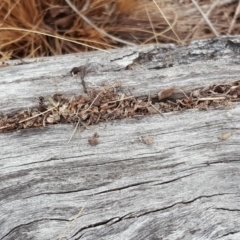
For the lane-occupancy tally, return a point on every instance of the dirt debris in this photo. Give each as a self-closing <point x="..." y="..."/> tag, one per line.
<point x="148" y="140"/>
<point x="94" y="140"/>
<point x="225" y="136"/>
<point x="108" y="103"/>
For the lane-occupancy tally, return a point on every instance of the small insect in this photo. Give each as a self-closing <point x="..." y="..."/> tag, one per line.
<point x="234" y="46"/>
<point x="93" y="141"/>
<point x="148" y="140"/>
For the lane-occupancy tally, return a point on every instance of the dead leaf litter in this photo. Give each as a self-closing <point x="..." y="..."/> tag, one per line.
<point x="108" y="103"/>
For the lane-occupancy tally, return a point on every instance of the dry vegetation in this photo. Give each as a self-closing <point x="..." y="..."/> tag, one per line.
<point x="110" y="103"/>
<point x="44" y="28"/>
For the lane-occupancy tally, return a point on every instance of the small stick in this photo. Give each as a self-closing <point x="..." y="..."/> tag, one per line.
<point x="82" y="75"/>
<point x="82" y="71"/>
<point x="184" y="93"/>
<point x="24" y="120"/>
<point x="211" y="98"/>
<point x="157" y="110"/>
<point x="92" y="102"/>
<point x="75" y="129"/>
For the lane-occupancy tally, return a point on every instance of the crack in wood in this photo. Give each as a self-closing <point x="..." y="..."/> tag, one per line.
<point x="228" y="209"/>
<point x="124" y="56"/>
<point x="124" y="187"/>
<point x="140" y="214"/>
<point x="228" y="234"/>
<point x="173" y="180"/>
<point x="32" y="222"/>
<point x="101" y="223"/>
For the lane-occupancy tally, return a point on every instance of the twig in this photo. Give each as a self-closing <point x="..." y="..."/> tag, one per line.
<point x="75" y="129"/>
<point x="184" y="93"/>
<point x="157" y="110"/>
<point x="82" y="75"/>
<point x="92" y="102"/>
<point x="211" y="98"/>
<point x="24" y="120"/>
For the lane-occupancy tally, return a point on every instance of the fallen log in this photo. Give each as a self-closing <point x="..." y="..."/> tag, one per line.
<point x="147" y="177"/>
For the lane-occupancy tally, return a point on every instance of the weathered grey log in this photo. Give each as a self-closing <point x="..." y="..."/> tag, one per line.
<point x="199" y="64"/>
<point x="185" y="185"/>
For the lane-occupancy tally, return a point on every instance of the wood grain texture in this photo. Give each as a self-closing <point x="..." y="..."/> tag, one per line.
<point x="202" y="63"/>
<point x="183" y="186"/>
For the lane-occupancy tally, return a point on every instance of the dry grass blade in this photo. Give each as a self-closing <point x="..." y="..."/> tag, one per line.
<point x="157" y="110"/>
<point x="153" y="29"/>
<point x="74" y="26"/>
<point x="42" y="113"/>
<point x="236" y="15"/>
<point x="50" y="35"/>
<point x="70" y="225"/>
<point x="211" y="98"/>
<point x="159" y="9"/>
<point x="191" y="34"/>
<point x="74" y="131"/>
<point x="95" y="27"/>
<point x="93" y="101"/>
<point x="205" y="18"/>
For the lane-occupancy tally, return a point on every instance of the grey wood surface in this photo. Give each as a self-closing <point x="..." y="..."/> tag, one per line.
<point x="185" y="185"/>
<point x="199" y="64"/>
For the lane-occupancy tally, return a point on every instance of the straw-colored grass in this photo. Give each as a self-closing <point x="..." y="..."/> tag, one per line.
<point x="44" y="28"/>
<point x="39" y="28"/>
